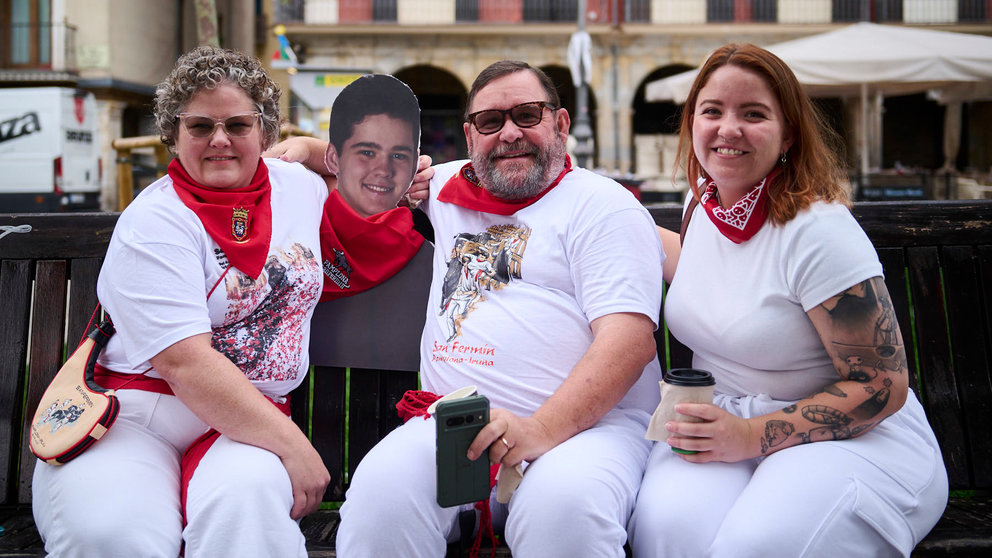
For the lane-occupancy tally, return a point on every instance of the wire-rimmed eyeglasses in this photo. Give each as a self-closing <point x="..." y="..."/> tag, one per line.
<point x="237" y="126"/>
<point x="524" y="115"/>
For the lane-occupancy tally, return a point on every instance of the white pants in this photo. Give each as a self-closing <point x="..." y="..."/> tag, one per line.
<point x="121" y="497"/>
<point x="574" y="500"/>
<point x="874" y="496"/>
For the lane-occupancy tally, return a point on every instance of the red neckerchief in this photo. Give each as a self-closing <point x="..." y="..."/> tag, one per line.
<point x="238" y="219"/>
<point x="463" y="189"/>
<point x="745" y="218"/>
<point x="360" y="253"/>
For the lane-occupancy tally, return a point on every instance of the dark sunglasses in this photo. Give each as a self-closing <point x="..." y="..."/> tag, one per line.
<point x="237" y="126"/>
<point x="525" y="115"/>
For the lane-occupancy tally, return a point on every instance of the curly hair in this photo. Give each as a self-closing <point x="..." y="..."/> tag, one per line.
<point x="207" y="67"/>
<point x="814" y="170"/>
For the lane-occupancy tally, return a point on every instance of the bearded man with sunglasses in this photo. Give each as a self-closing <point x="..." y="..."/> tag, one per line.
<point x="545" y="295"/>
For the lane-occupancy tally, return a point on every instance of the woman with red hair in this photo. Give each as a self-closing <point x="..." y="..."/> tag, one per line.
<point x="814" y="444"/>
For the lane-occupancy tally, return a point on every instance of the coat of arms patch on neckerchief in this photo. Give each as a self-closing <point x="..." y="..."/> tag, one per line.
<point x="239" y="224"/>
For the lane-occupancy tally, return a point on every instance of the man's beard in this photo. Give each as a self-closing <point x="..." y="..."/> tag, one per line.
<point x="525" y="179"/>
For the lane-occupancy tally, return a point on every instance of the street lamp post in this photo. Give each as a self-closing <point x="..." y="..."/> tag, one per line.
<point x="582" y="131"/>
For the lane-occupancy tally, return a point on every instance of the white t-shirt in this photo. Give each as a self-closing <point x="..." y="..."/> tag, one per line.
<point x="513" y="296"/>
<point x="161" y="264"/>
<point x="741" y="308"/>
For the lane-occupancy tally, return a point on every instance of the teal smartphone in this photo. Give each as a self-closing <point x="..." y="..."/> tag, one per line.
<point x="460" y="481"/>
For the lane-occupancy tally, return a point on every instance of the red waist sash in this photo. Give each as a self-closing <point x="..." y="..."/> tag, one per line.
<point x="109" y="379"/>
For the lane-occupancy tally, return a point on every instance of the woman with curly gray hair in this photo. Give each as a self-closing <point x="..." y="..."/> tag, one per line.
<point x="211" y="277"/>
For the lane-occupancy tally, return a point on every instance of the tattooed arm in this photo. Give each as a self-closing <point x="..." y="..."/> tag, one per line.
<point x="860" y="332"/>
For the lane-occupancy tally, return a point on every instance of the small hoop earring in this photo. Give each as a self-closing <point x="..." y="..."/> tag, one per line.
<point x="784" y="158"/>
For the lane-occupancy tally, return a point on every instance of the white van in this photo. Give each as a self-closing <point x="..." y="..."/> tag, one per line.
<point x="49" y="150"/>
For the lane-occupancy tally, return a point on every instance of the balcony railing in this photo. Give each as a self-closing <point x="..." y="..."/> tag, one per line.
<point x="38" y="46"/>
<point x="444" y="12"/>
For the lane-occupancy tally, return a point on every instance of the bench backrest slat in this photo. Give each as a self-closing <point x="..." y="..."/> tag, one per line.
<point x="328" y="425"/>
<point x="938" y="387"/>
<point x="936" y="223"/>
<point x="15" y="284"/>
<point x="979" y="398"/>
<point x="82" y="298"/>
<point x="55" y="235"/>
<point x="967" y="314"/>
<point x="47" y="336"/>
<point x="372" y="408"/>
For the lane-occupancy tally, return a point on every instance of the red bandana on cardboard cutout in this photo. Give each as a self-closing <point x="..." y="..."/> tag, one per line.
<point x="360" y="253"/>
<point x="745" y="218"/>
<point x="463" y="189"/>
<point x="238" y="219"/>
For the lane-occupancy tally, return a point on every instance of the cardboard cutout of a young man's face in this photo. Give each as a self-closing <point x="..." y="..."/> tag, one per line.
<point x="374" y="142"/>
<point x="376" y="164"/>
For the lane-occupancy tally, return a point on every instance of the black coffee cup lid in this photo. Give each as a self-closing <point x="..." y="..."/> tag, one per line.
<point x="688" y="377"/>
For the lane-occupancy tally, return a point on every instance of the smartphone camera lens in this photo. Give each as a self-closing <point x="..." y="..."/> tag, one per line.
<point x="470" y="419"/>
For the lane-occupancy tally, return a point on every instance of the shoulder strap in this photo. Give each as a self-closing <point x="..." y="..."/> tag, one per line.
<point x="685" y="218"/>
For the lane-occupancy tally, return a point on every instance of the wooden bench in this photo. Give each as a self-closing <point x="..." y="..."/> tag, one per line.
<point x="938" y="263"/>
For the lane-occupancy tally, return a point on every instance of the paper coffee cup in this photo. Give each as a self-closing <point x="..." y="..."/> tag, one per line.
<point x="679" y="385"/>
